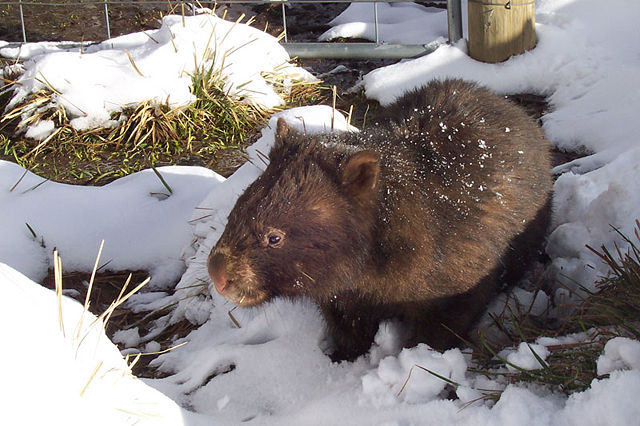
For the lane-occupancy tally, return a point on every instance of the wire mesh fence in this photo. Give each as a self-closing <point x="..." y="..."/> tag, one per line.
<point x="95" y="20"/>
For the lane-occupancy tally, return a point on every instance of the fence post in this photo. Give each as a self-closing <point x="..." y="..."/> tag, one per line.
<point x="499" y="29"/>
<point x="454" y="20"/>
<point x="375" y="21"/>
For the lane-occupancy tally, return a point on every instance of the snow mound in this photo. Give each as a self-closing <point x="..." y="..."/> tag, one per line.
<point x="143" y="229"/>
<point x="525" y="356"/>
<point x="93" y="84"/>
<point x="80" y="375"/>
<point x="619" y="353"/>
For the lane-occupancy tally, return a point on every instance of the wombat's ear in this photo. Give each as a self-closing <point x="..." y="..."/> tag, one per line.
<point x="284" y="133"/>
<point x="360" y="173"/>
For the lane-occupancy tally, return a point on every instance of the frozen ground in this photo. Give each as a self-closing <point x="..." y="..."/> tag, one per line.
<point x="273" y="370"/>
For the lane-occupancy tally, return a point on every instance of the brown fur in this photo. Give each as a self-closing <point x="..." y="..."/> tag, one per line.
<point x="414" y="218"/>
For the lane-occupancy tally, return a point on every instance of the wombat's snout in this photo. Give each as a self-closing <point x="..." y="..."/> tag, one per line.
<point x="218" y="272"/>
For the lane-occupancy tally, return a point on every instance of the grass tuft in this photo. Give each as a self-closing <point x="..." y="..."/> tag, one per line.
<point x="612" y="311"/>
<point x="146" y="135"/>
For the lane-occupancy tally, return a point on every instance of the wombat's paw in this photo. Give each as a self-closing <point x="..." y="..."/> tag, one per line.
<point x="328" y="347"/>
<point x="342" y="355"/>
<point x="347" y="352"/>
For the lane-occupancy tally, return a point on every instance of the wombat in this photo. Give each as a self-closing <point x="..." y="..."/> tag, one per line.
<point x="420" y="217"/>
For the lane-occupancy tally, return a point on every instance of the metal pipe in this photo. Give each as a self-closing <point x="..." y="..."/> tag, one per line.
<point x="24" y="31"/>
<point x="106" y="18"/>
<point x="454" y="18"/>
<point x="284" y="23"/>
<point x="326" y="50"/>
<point x="357" y="50"/>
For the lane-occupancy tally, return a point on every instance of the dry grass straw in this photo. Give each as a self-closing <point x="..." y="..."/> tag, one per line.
<point x="91" y="377"/>
<point x="103" y="318"/>
<point x="133" y="362"/>
<point x="90" y="288"/>
<point x="162" y="179"/>
<point x="148" y="134"/>
<point x="233" y="318"/>
<point x="57" y="267"/>
<point x="333" y="106"/>
<point x="15" y="185"/>
<point x="617" y="303"/>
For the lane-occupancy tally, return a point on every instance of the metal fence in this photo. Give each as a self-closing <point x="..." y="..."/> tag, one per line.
<point x="374" y="49"/>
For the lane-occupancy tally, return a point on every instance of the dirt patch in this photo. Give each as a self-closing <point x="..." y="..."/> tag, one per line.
<point x="67" y="21"/>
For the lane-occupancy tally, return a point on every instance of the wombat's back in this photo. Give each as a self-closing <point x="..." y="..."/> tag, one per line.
<point x="464" y="193"/>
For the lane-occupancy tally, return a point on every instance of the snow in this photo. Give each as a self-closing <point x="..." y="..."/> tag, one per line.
<point x="130" y="338"/>
<point x="420" y="24"/>
<point x="273" y="370"/>
<point x="619" y="353"/>
<point x="41" y="130"/>
<point x="384" y="384"/>
<point x="525" y="357"/>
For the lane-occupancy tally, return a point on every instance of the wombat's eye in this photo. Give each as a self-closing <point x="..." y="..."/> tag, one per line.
<point x="274" y="238"/>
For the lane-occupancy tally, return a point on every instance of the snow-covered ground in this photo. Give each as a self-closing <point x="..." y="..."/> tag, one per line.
<point x="273" y="370"/>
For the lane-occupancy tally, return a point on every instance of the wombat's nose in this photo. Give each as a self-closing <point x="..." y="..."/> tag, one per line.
<point x="218" y="272"/>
